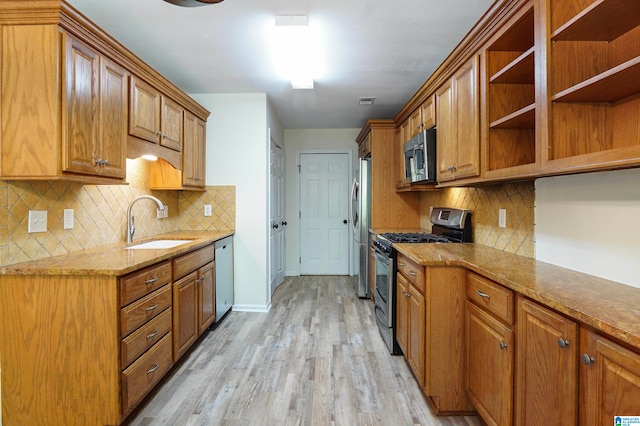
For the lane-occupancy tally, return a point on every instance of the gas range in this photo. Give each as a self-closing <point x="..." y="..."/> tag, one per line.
<point x="384" y="241"/>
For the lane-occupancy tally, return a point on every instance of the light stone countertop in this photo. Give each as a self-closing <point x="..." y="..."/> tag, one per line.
<point x="114" y="259"/>
<point x="605" y="305"/>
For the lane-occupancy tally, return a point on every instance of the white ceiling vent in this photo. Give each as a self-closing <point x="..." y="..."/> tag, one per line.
<point x="366" y="101"/>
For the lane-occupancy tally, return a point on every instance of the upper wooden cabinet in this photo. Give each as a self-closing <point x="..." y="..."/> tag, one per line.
<point x="593" y="53"/>
<point x="65" y="98"/>
<point x="509" y="78"/>
<point x="154" y="117"/>
<point x="458" y="129"/>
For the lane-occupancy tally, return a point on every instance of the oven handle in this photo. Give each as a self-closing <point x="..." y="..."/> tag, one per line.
<point x="382" y="257"/>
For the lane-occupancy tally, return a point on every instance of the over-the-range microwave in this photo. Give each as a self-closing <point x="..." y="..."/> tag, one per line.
<point x="420" y="157"/>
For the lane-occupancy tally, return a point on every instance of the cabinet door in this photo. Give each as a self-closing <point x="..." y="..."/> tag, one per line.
<point x="609" y="380"/>
<point x="206" y="297"/>
<point x="402" y="312"/>
<point x="415" y="123"/>
<point x="81" y="107"/>
<point x="416" y="337"/>
<point x="185" y="314"/>
<point x="546" y="378"/>
<point x="428" y="111"/>
<point x="144" y="111"/>
<point x="446" y="136"/>
<point x="114" y="107"/>
<point x="489" y="366"/>
<point x="193" y="154"/>
<point x="171" y="124"/>
<point x="401" y="181"/>
<point x="467" y="120"/>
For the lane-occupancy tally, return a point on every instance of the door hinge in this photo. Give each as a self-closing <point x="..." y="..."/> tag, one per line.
<point x="299" y="169"/>
<point x="300" y="260"/>
<point x="299" y="215"/>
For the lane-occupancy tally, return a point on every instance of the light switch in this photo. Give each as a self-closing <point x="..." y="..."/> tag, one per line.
<point x="37" y="221"/>
<point x="502" y="218"/>
<point x="68" y="219"/>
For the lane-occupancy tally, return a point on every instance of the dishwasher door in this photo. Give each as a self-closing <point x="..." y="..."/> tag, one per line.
<point x="224" y="276"/>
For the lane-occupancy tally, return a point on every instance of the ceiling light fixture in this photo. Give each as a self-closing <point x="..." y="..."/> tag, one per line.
<point x="366" y="101"/>
<point x="295" y="55"/>
<point x="193" y="3"/>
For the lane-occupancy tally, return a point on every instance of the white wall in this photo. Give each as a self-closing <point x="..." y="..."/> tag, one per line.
<point x="591" y="223"/>
<point x="296" y="140"/>
<point x="237" y="154"/>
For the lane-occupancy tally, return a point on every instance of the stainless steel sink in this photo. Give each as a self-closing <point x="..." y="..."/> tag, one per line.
<point x="158" y="244"/>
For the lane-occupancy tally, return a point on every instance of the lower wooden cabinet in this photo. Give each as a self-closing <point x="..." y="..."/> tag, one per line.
<point x="490" y="366"/>
<point x="416" y="333"/>
<point x="185" y="314"/>
<point x="609" y="380"/>
<point x="206" y="296"/>
<point x="402" y="312"/>
<point x="546" y="367"/>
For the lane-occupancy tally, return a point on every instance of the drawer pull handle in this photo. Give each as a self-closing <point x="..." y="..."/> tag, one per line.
<point x="400" y="264"/>
<point x="503" y="345"/>
<point x="587" y="359"/>
<point x="483" y="295"/>
<point x="563" y="343"/>
<point x="151" y="280"/>
<point x="152" y="335"/>
<point x="413" y="274"/>
<point x="155" y="367"/>
<point x="151" y="308"/>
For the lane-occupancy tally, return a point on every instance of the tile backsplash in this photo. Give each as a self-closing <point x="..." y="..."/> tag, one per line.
<point x="100" y="213"/>
<point x="484" y="202"/>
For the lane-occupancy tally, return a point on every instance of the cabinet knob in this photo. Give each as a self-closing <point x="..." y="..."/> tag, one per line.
<point x="105" y="163"/>
<point x="99" y="162"/>
<point x="587" y="359"/>
<point x="158" y="133"/>
<point x="503" y="345"/>
<point x="563" y="343"/>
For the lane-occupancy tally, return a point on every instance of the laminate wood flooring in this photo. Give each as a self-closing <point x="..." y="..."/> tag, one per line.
<point x="315" y="359"/>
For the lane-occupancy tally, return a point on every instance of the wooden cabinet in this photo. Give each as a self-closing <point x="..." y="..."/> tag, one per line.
<point x="412" y="313"/>
<point x="609" y="380"/>
<point x="593" y="59"/>
<point x="509" y="78"/>
<point x="388" y="207"/>
<point x="401" y="137"/>
<point x="193" y="297"/>
<point x="154" y="117"/>
<point x="546" y="367"/>
<point x="490" y="350"/>
<point x="95" y="96"/>
<point x="193" y="155"/>
<point x="430" y="331"/>
<point x="457" y="112"/>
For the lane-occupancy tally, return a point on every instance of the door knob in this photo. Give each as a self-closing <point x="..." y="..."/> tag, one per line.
<point x="284" y="223"/>
<point x="344" y="221"/>
<point x="275" y="226"/>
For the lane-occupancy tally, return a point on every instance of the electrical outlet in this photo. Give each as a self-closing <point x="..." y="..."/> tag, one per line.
<point x="502" y="218"/>
<point x="37" y="221"/>
<point x="68" y="219"/>
<point x="160" y="214"/>
<point x="207" y="209"/>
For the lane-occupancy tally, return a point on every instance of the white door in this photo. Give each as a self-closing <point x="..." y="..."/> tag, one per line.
<point x="278" y="222"/>
<point x="324" y="213"/>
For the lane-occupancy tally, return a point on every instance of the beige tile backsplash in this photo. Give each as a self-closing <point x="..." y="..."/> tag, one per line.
<point x="100" y="213"/>
<point x="517" y="198"/>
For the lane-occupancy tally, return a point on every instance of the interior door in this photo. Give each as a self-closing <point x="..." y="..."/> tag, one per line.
<point x="324" y="210"/>
<point x="278" y="222"/>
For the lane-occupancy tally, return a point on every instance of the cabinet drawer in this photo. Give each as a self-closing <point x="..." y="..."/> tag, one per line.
<point x="412" y="271"/>
<point x="146" y="336"/>
<point x="143" y="374"/>
<point x="138" y="313"/>
<point x="188" y="263"/>
<point x="143" y="282"/>
<point x="490" y="296"/>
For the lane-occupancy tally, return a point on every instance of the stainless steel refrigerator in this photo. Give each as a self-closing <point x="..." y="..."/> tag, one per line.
<point x="361" y="221"/>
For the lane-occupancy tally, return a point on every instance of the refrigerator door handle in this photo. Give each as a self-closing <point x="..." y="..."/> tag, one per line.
<point x="353" y="212"/>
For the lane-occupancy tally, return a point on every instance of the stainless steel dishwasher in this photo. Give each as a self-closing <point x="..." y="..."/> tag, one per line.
<point x="224" y="276"/>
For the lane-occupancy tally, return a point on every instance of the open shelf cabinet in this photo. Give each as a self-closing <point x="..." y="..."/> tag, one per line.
<point x="593" y="84"/>
<point x="510" y="81"/>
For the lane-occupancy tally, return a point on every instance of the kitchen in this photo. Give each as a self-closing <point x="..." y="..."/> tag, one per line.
<point x="592" y="196"/>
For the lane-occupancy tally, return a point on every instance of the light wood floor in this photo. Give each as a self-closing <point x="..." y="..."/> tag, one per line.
<point x="315" y="359"/>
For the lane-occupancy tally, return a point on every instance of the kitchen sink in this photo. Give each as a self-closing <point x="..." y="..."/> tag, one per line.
<point x="158" y="244"/>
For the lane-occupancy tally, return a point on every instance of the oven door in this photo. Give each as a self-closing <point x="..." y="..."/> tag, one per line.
<point x="384" y="287"/>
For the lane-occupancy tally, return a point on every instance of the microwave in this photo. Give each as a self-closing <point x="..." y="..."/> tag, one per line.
<point x="420" y="157"/>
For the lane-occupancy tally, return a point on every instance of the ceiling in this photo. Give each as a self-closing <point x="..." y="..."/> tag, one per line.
<point x="372" y="48"/>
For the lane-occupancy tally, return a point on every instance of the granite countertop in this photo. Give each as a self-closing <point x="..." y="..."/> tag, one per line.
<point x="114" y="259"/>
<point x="605" y="305"/>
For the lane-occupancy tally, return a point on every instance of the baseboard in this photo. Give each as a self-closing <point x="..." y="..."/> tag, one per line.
<point x="252" y="308"/>
<point x="291" y="274"/>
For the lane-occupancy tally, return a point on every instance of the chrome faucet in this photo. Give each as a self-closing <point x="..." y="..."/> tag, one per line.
<point x="131" y="227"/>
